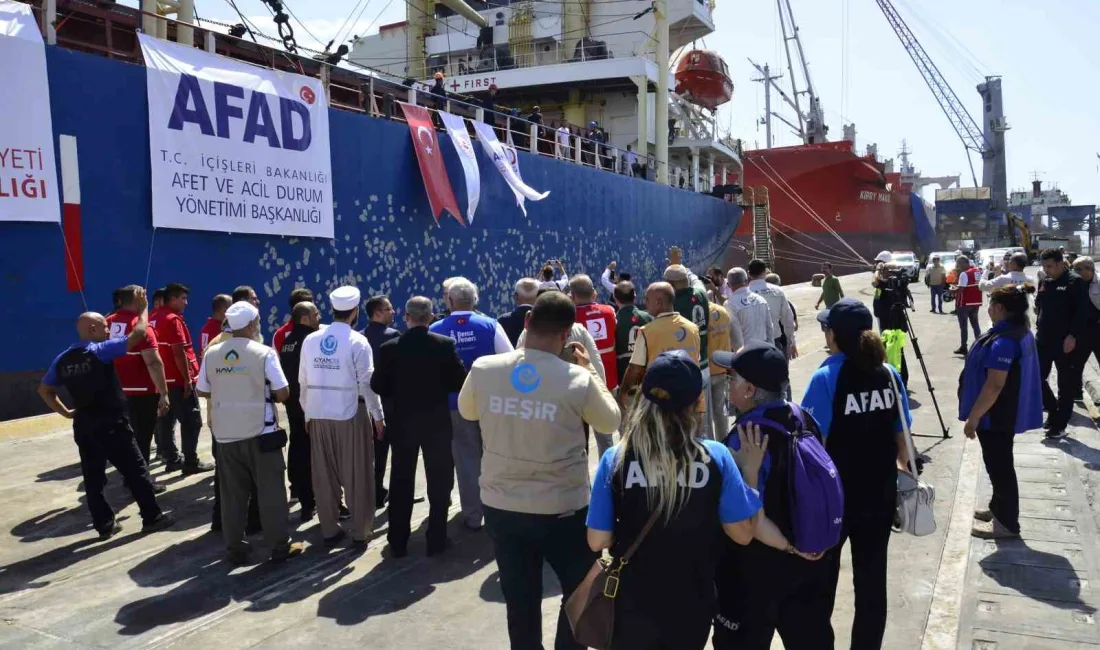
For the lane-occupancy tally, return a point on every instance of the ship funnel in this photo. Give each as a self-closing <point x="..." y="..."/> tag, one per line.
<point x="1036" y="188"/>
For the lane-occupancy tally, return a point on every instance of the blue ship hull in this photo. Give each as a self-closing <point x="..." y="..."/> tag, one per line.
<point x="386" y="240"/>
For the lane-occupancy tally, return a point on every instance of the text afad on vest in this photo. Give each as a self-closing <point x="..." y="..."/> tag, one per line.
<point x="868" y="401"/>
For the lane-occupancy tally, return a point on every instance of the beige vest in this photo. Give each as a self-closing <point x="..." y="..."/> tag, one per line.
<point x="235" y="371"/>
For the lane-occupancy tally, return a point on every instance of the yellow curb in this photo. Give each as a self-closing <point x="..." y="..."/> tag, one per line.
<point x="33" y="426"/>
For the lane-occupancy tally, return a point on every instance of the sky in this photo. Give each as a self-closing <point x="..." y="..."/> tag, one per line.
<point x="1043" y="50"/>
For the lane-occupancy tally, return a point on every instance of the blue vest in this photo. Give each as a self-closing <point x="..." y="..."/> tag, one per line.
<point x="1019" y="407"/>
<point x="474" y="336"/>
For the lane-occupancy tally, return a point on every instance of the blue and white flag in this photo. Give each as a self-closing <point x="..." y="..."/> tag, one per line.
<point x="460" y="139"/>
<point x="507" y="163"/>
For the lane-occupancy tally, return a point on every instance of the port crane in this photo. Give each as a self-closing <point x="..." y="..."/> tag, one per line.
<point x="989" y="144"/>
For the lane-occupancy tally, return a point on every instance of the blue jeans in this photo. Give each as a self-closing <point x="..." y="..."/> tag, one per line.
<point x="937" y="297"/>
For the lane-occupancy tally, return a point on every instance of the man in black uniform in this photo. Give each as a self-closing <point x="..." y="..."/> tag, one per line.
<point x="306" y="320"/>
<point x="415" y="375"/>
<point x="1062" y="331"/>
<point x="101" y="424"/>
<point x="380" y="312"/>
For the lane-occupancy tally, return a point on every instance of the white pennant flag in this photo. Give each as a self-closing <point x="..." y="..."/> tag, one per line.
<point x="507" y="165"/>
<point x="456" y="128"/>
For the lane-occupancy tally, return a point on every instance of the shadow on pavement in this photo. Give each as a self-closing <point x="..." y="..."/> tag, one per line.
<point x="60" y="474"/>
<point x="1002" y="567"/>
<point x="1078" y="450"/>
<point x="29" y="573"/>
<point x="490" y="589"/>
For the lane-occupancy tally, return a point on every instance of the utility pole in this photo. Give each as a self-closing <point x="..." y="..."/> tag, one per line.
<point x="661" y="101"/>
<point x="767" y="80"/>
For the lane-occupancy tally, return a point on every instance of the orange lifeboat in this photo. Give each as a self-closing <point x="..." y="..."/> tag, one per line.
<point x="703" y="78"/>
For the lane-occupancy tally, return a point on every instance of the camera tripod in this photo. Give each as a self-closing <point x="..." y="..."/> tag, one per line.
<point x="924" y="369"/>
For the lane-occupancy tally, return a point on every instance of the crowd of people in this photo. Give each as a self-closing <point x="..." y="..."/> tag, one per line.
<point x="507" y="407"/>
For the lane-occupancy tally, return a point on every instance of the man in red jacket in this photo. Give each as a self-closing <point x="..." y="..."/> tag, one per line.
<point x="297" y="296"/>
<point x="599" y="320"/>
<point x="213" y="326"/>
<point x="968" y="299"/>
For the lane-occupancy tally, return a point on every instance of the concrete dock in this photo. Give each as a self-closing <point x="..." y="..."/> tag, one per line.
<point x="60" y="587"/>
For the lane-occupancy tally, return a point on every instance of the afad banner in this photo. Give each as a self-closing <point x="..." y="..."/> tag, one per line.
<point x="236" y="148"/>
<point x="507" y="163"/>
<point x="28" y="171"/>
<point x="441" y="196"/>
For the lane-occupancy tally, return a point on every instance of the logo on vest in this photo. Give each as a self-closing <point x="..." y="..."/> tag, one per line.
<point x="700" y="474"/>
<point x="680" y="335"/>
<point x="868" y="401"/>
<point x="525" y="378"/>
<point x="329" y="345"/>
<point x="230" y="359"/>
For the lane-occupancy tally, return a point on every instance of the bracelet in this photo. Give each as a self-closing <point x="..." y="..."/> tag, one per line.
<point x="790" y="550"/>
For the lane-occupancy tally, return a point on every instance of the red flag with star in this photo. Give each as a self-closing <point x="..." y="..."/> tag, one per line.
<point x="430" y="158"/>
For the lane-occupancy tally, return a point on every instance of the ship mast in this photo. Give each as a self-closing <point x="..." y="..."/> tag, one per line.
<point x="811" y="125"/>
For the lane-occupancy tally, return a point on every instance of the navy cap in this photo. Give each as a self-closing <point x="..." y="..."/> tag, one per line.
<point x="847" y="316"/>
<point x="758" y="362"/>
<point x="673" y="381"/>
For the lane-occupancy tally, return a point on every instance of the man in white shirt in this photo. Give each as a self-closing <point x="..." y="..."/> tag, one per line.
<point x="562" y="150"/>
<point x="1014" y="274"/>
<point x="748" y="310"/>
<point x="242" y="380"/>
<point x="783" y="323"/>
<point x="334" y="374"/>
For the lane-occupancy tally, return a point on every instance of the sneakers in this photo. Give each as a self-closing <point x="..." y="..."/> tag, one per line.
<point x="1056" y="434"/>
<point x="165" y="520"/>
<point x="983" y="515"/>
<point x="992" y="530"/>
<point x="284" y="553"/>
<point x="961" y="350"/>
<point x="109" y="532"/>
<point x="159" y="488"/>
<point x="198" y="467"/>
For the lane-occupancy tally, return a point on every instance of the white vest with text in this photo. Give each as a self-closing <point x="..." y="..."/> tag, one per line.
<point x="238" y="395"/>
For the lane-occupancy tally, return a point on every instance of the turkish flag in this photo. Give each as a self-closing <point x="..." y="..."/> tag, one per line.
<point x="430" y="157"/>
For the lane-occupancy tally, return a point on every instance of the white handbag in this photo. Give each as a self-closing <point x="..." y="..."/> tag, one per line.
<point x="915" y="497"/>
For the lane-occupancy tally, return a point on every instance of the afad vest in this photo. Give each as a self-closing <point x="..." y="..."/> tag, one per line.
<point x="599" y="320"/>
<point x="673" y="332"/>
<point x="970" y="295"/>
<point x="692" y="304"/>
<point x="718" y="334"/>
<point x="238" y="389"/>
<point x="474" y="336"/>
<point x="1019" y="407"/>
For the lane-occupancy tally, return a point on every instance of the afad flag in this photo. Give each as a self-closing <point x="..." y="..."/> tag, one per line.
<point x="507" y="163"/>
<point x="460" y="139"/>
<point x="430" y="157"/>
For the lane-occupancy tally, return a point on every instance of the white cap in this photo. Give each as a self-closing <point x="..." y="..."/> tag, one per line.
<point x="344" y="298"/>
<point x="884" y="256"/>
<point x="240" y="314"/>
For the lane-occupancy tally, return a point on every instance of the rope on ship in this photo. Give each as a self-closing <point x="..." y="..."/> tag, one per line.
<point x="825" y="257"/>
<point x="800" y="202"/>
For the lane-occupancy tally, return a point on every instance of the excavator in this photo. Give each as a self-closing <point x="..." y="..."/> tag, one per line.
<point x="1020" y="235"/>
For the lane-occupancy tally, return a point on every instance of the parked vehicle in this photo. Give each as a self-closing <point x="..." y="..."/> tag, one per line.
<point x="908" y="261"/>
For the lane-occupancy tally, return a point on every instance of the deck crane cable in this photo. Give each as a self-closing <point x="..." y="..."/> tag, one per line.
<point x="360" y="7"/>
<point x="971" y="136"/>
<point x="791" y="193"/>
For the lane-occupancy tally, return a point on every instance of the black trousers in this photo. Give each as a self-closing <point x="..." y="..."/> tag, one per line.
<point x="965" y="315"/>
<point x="143" y="419"/>
<point x="999" y="464"/>
<point x="381" y="455"/>
<point x="762" y="591"/>
<point x="1069" y="380"/>
<point x="185" y="410"/>
<point x="522" y="542"/>
<point x="253" y="521"/>
<point x="869" y="533"/>
<point x="439" y="468"/>
<point x="299" y="459"/>
<point x="113" y="444"/>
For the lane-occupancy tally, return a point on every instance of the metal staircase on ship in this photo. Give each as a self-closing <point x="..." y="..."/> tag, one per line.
<point x="755" y="199"/>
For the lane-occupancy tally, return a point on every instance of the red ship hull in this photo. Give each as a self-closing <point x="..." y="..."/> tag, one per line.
<point x="826" y="202"/>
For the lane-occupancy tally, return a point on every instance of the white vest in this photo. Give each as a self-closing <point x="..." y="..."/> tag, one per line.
<point x="329" y="385"/>
<point x="238" y="389"/>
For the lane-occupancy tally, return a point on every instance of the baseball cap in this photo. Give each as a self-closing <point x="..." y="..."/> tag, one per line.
<point x="758" y="362"/>
<point x="676" y="273"/>
<point x="673" y="381"/>
<point x="847" y="316"/>
<point x="240" y="314"/>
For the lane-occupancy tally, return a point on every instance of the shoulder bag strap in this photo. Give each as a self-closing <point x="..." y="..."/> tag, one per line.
<point x="641" y="536"/>
<point x="904" y="425"/>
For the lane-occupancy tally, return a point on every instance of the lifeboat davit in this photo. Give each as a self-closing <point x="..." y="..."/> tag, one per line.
<point x="703" y="78"/>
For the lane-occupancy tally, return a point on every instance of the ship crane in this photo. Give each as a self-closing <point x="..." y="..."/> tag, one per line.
<point x="973" y="138"/>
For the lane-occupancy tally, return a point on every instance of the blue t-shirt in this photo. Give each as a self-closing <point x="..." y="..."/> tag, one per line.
<point x="736" y="502"/>
<point x="821" y="391"/>
<point x="1004" y="351"/>
<point x="106" y="351"/>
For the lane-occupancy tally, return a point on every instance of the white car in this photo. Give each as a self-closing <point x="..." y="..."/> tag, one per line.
<point x="908" y="261"/>
<point x="947" y="259"/>
<point x="994" y="255"/>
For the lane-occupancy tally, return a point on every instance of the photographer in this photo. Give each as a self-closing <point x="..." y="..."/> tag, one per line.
<point x="892" y="298"/>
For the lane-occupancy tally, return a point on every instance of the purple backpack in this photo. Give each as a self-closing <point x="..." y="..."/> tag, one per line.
<point x="816" y="493"/>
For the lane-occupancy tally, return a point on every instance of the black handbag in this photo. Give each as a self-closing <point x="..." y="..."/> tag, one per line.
<point x="273" y="441"/>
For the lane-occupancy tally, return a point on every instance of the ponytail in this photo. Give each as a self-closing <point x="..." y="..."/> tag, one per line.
<point x="865" y="347"/>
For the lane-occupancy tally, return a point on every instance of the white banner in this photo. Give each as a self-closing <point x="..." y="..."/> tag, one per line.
<point x="507" y="165"/>
<point x="28" y="168"/>
<point x="460" y="138"/>
<point x="234" y="147"/>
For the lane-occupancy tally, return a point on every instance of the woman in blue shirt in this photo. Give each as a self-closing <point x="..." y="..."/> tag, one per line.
<point x="666" y="594"/>
<point x="1001" y="395"/>
<point x="853" y="398"/>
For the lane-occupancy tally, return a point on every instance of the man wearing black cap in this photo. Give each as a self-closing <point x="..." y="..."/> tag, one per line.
<point x="764" y="587"/>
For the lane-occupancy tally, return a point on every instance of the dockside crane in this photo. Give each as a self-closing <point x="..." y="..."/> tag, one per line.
<point x="989" y="144"/>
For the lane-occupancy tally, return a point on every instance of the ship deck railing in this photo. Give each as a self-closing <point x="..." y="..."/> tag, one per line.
<point x="110" y="30"/>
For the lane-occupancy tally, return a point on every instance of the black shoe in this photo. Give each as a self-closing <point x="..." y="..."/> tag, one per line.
<point x="109" y="532"/>
<point x="344" y="513"/>
<point x="216" y="526"/>
<point x="383" y="497"/>
<point x="173" y="465"/>
<point x="198" y="467"/>
<point x="307" y="514"/>
<point x="961" y="350"/>
<point x="254" y="528"/>
<point x="284" y="553"/>
<point x="360" y="544"/>
<point x="434" y="550"/>
<point x="165" y="520"/>
<point x="335" y="539"/>
<point x="240" y="555"/>
<point x="159" y="488"/>
<point x="419" y="498"/>
<point x="398" y="551"/>
<point x="1057" y="434"/>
